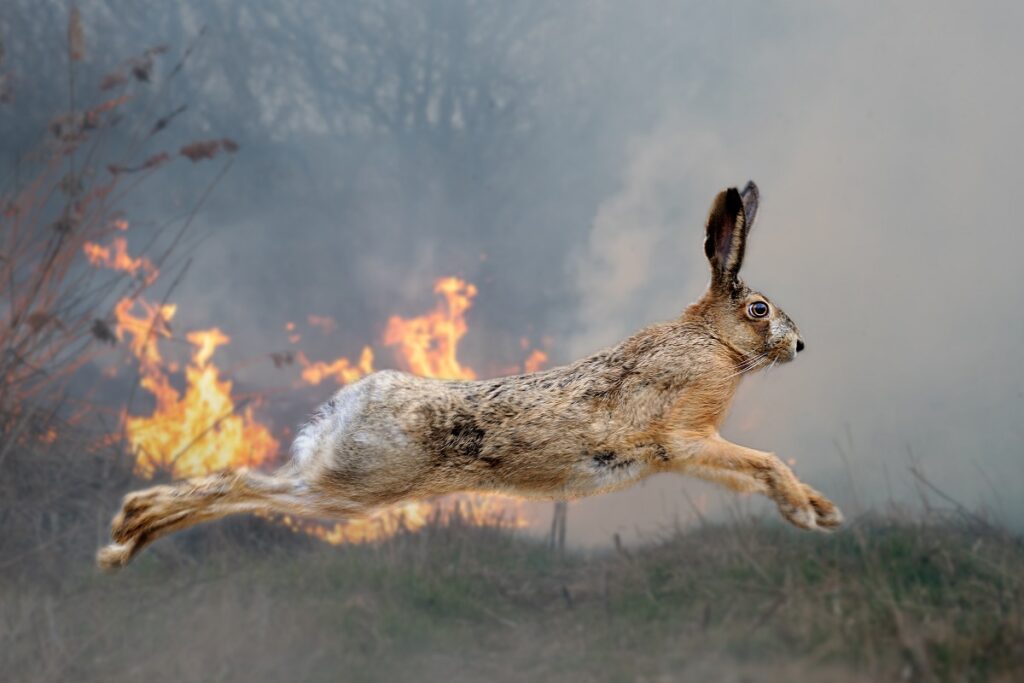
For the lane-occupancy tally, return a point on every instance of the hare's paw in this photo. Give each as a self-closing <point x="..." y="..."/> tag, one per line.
<point x="827" y="515"/>
<point x="115" y="555"/>
<point x="140" y="511"/>
<point x="798" y="512"/>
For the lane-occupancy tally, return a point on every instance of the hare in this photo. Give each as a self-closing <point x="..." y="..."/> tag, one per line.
<point x="652" y="404"/>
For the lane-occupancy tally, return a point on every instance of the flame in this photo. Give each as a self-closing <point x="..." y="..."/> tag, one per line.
<point x="145" y="330"/>
<point x="535" y="361"/>
<point x="342" y="370"/>
<point x="324" y="323"/>
<point x="191" y="432"/>
<point x="201" y="429"/>
<point x="428" y="346"/>
<point x="473" y="509"/>
<point x="116" y="257"/>
<point x="428" y="343"/>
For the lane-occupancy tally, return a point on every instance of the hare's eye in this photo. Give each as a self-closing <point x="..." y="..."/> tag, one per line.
<point x="758" y="309"/>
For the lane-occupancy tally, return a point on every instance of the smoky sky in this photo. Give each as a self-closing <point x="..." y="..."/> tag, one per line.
<point x="562" y="156"/>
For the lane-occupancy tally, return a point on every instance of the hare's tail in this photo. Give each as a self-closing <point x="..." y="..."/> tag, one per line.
<point x="151" y="513"/>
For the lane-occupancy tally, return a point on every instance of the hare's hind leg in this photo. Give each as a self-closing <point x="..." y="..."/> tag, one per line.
<point x="748" y="470"/>
<point x="148" y="514"/>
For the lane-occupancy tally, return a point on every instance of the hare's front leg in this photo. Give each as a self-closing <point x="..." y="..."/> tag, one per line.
<point x="748" y="470"/>
<point x="827" y="515"/>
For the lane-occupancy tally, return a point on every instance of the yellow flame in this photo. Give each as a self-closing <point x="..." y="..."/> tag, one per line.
<point x="145" y="330"/>
<point x="200" y="429"/>
<point x="342" y="370"/>
<point x="473" y="509"/>
<point x="428" y="344"/>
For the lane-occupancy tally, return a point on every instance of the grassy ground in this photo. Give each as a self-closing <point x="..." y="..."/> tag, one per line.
<point x="886" y="599"/>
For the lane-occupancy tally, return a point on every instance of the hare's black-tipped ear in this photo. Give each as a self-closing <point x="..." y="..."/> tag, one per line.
<point x="729" y="221"/>
<point x="751" y="197"/>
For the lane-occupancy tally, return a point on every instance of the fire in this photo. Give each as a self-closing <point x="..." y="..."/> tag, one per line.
<point x="426" y="345"/>
<point x="201" y="429"/>
<point x="196" y="431"/>
<point x="145" y="330"/>
<point x="191" y="432"/>
<point x="116" y="257"/>
<point x="342" y="370"/>
<point x="324" y="323"/>
<point x="474" y="509"/>
<point x="429" y="343"/>
<point x="535" y="361"/>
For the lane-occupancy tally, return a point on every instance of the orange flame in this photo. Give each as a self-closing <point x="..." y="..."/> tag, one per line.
<point x="188" y="433"/>
<point x="474" y="509"/>
<point x="324" y="323"/>
<point x="116" y="257"/>
<point x="196" y="431"/>
<point x="145" y="330"/>
<point x="428" y="346"/>
<point x="428" y="343"/>
<point x="293" y="336"/>
<point x="535" y="361"/>
<point x="342" y="370"/>
<point x="201" y="429"/>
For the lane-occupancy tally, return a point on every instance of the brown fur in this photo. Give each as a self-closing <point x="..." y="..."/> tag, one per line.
<point x="652" y="404"/>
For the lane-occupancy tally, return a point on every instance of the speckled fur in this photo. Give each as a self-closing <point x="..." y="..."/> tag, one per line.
<point x="652" y="404"/>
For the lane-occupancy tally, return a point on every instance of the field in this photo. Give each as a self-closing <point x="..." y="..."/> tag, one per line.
<point x="891" y="597"/>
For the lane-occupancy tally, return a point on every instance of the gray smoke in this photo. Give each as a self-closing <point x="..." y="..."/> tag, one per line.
<point x="886" y="146"/>
<point x="563" y="157"/>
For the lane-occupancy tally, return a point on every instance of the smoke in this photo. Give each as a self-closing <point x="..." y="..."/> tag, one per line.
<point x="638" y="257"/>
<point x="564" y="160"/>
<point x="888" y="161"/>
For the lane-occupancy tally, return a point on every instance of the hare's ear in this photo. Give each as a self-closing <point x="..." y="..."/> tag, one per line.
<point x="751" y="197"/>
<point x="729" y="221"/>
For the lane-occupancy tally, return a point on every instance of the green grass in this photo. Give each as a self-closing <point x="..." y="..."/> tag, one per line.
<point x="886" y="599"/>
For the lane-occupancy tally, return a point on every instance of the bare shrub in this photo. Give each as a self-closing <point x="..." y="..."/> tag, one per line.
<point x="61" y="212"/>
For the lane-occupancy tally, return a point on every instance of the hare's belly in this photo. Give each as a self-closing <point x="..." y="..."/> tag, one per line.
<point x="604" y="472"/>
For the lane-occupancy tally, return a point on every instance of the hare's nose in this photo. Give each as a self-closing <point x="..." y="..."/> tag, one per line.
<point x="799" y="345"/>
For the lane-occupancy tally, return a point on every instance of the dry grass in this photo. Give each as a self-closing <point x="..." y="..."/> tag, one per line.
<point x="890" y="598"/>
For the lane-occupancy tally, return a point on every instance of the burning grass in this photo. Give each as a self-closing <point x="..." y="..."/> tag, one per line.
<point x="75" y="284"/>
<point x="203" y="428"/>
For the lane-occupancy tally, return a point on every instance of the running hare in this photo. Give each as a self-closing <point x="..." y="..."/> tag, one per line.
<point x="652" y="404"/>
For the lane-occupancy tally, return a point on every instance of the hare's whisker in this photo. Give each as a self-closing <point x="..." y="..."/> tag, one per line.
<point x="748" y="365"/>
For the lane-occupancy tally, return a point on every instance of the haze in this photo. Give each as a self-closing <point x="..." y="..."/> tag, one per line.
<point x="563" y="156"/>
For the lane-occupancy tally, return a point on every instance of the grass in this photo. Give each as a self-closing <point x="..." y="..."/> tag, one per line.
<point x="887" y="599"/>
